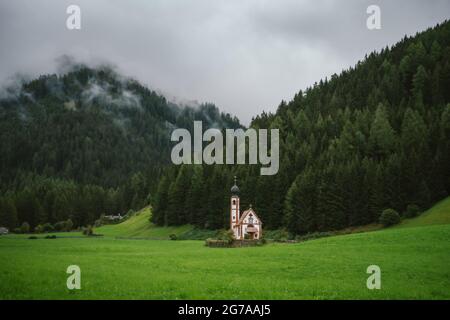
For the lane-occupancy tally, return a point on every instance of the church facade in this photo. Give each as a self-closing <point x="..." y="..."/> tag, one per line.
<point x="246" y="225"/>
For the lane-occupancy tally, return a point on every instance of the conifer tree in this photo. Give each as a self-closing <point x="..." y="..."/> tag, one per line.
<point x="8" y="213"/>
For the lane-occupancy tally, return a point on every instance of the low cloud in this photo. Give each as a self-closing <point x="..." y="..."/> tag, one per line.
<point x="245" y="56"/>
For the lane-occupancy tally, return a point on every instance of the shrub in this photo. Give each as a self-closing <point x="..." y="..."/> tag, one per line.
<point x="412" y="210"/>
<point x="389" y="217"/>
<point x="88" y="231"/>
<point x="173" y="236"/>
<point x="60" y="226"/>
<point x="32" y="237"/>
<point x="17" y="230"/>
<point x="25" y="228"/>
<point x="98" y="222"/>
<point x="226" y="235"/>
<point x="50" y="236"/>
<point x="48" y="227"/>
<point x="39" y="228"/>
<point x="277" y="235"/>
<point x="69" y="225"/>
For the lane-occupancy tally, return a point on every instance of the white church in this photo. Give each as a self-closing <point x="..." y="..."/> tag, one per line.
<point x="246" y="225"/>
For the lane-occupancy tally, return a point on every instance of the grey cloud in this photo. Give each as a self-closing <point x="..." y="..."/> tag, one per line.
<point x="245" y="56"/>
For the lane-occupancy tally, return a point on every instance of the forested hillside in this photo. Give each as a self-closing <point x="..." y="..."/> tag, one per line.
<point x="376" y="136"/>
<point x="84" y="143"/>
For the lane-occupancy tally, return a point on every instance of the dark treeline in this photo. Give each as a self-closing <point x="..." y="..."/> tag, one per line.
<point x="377" y="136"/>
<point x="85" y="143"/>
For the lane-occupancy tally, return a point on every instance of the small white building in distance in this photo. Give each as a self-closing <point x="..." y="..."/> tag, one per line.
<point x="246" y="225"/>
<point x="113" y="217"/>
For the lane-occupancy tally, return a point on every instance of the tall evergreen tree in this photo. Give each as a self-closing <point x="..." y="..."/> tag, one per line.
<point x="8" y="213"/>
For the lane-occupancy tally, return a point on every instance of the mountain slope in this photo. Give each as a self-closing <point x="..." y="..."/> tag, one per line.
<point x="93" y="126"/>
<point x="139" y="226"/>
<point x="438" y="214"/>
<point x="86" y="142"/>
<point x="374" y="137"/>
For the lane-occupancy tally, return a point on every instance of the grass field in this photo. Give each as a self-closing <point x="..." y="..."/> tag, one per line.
<point x="414" y="264"/>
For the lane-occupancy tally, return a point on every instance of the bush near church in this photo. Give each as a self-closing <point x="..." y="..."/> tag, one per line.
<point x="389" y="217"/>
<point x="225" y="235"/>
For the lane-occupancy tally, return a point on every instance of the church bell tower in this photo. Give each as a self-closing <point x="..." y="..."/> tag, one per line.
<point x="234" y="209"/>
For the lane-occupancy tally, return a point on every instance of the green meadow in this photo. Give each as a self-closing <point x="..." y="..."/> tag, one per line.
<point x="414" y="258"/>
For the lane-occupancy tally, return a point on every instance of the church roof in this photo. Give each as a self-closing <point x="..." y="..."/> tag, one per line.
<point x="246" y="212"/>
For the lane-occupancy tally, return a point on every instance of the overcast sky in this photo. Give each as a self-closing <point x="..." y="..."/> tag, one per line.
<point x="243" y="55"/>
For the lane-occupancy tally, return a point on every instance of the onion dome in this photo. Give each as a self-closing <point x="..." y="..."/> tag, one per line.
<point x="235" y="189"/>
